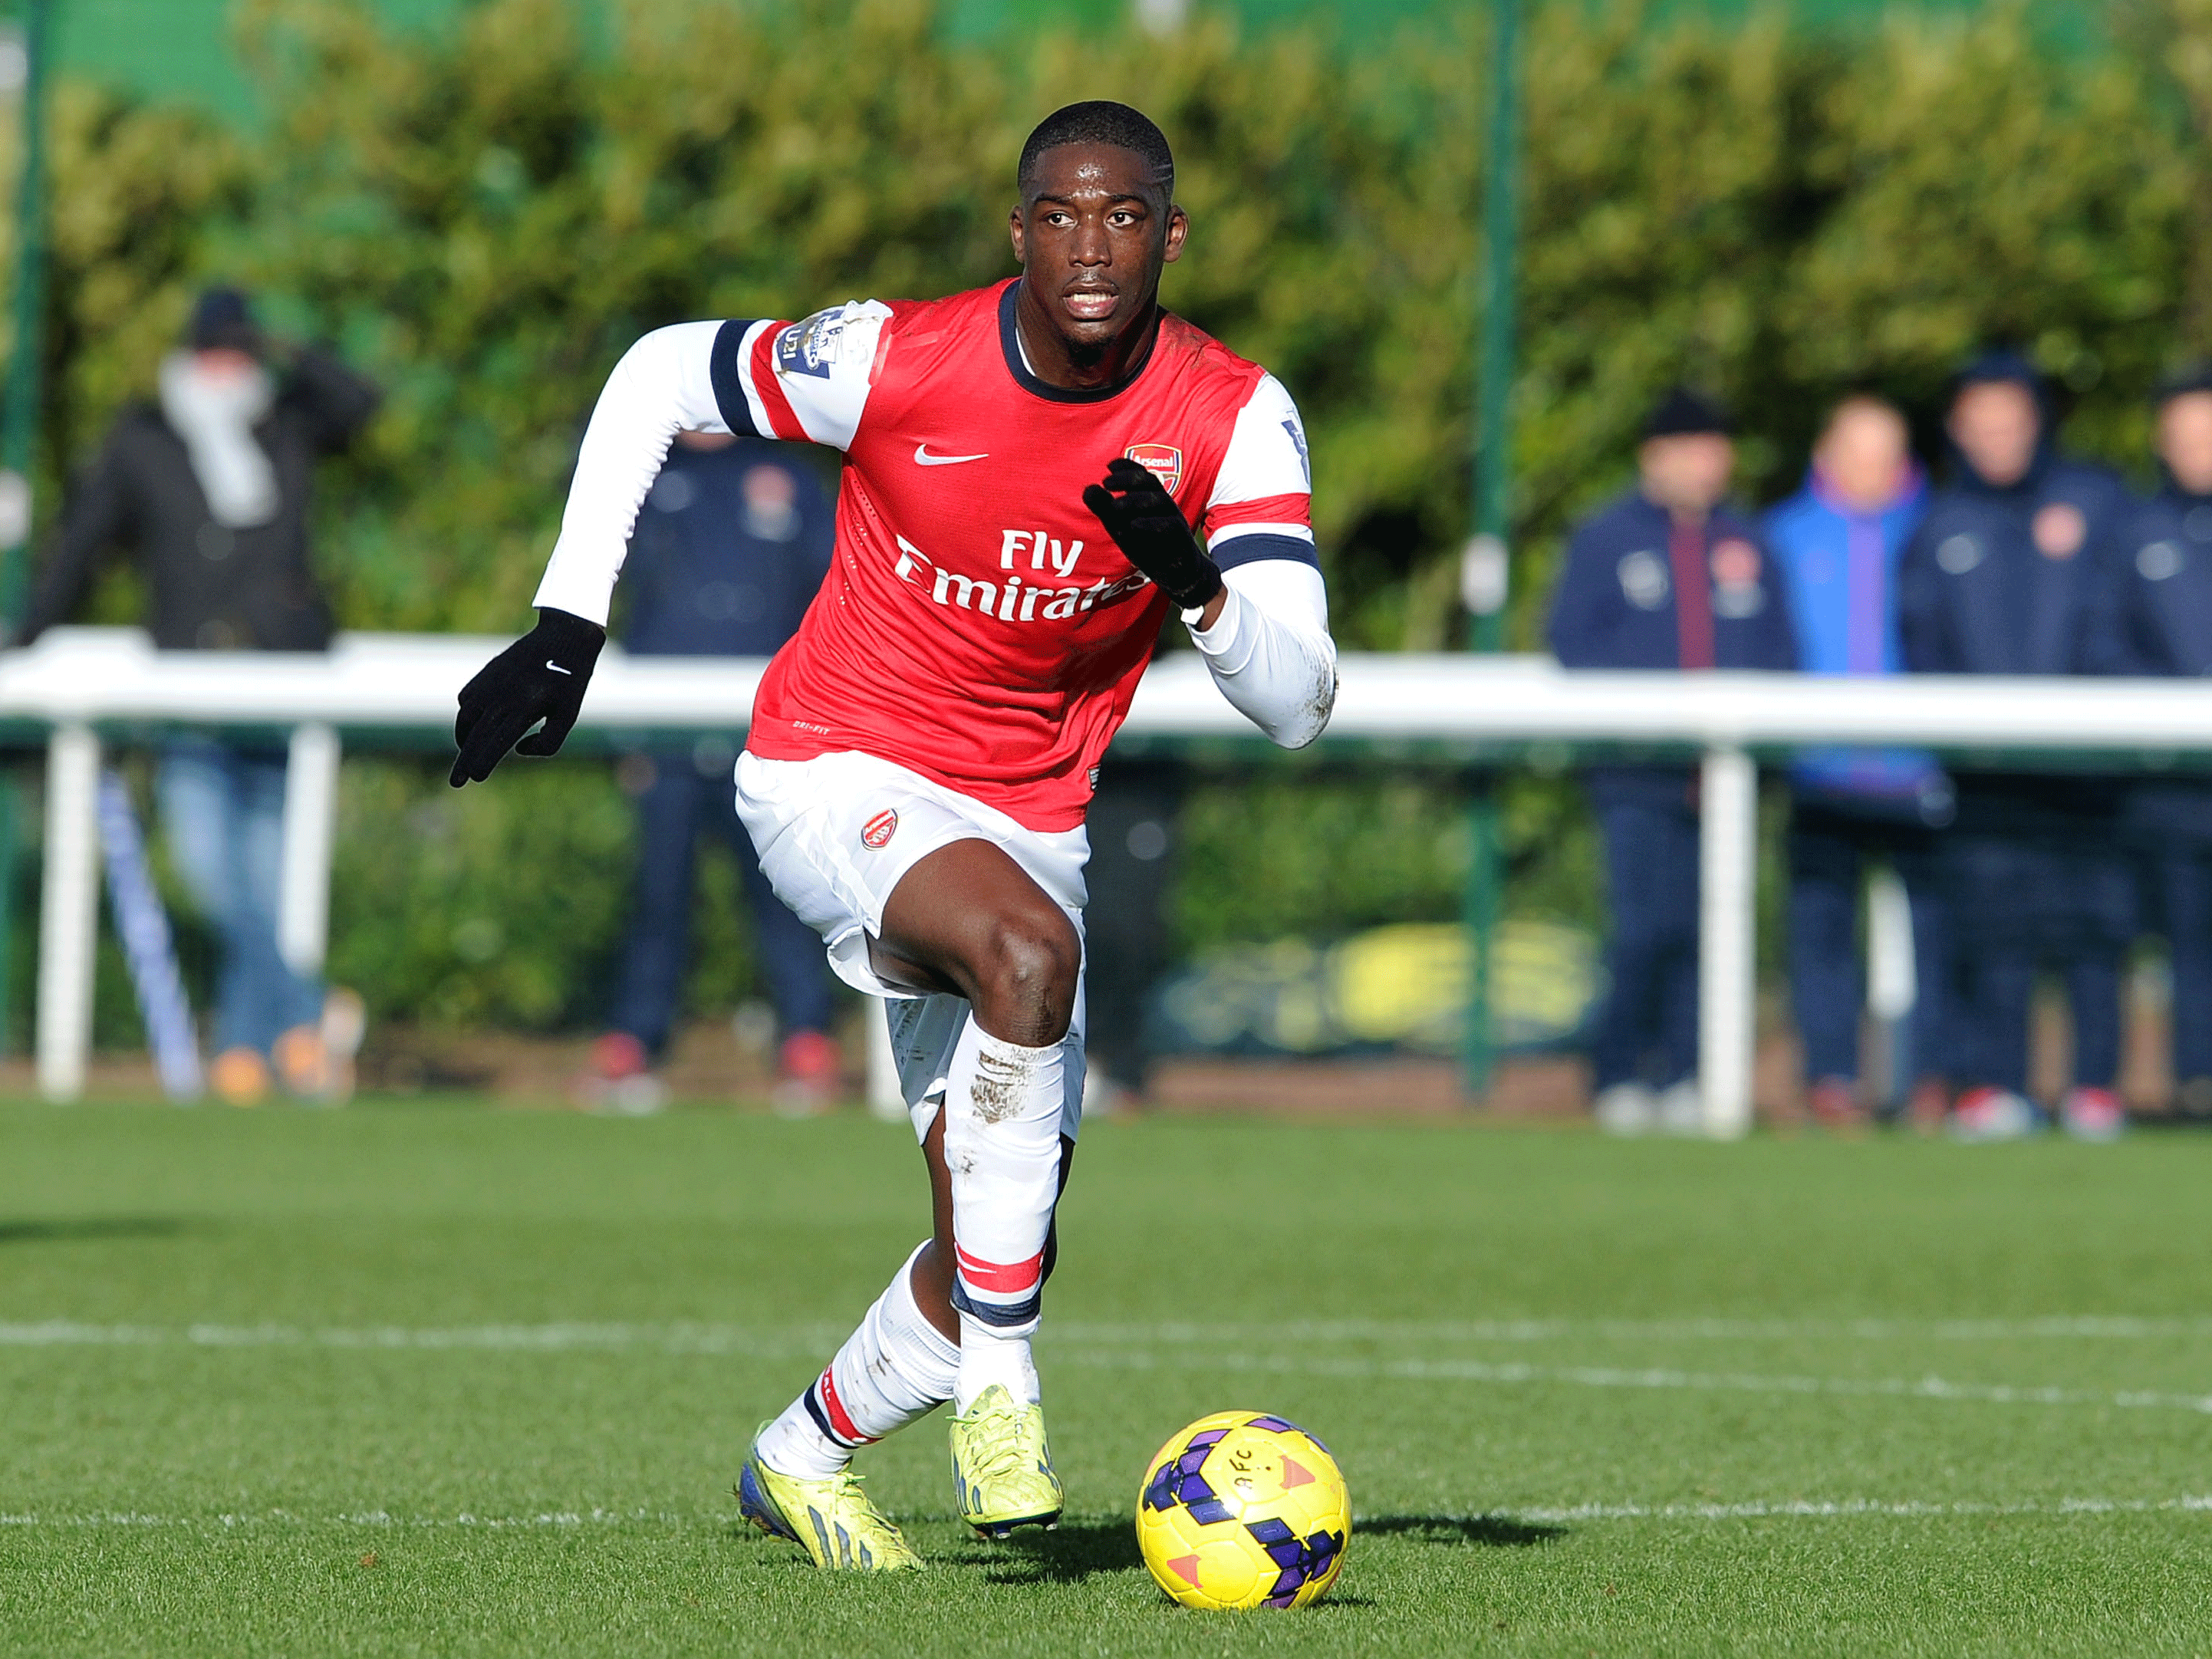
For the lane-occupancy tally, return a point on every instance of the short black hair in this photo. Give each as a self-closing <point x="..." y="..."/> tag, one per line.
<point x="1101" y="121"/>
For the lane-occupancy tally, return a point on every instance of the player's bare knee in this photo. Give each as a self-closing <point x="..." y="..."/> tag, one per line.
<point x="1028" y="979"/>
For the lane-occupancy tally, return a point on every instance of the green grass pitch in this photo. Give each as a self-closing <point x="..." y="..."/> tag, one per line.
<point x="434" y="1379"/>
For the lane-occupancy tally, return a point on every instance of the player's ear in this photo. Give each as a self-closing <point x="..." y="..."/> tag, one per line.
<point x="1017" y="230"/>
<point x="1178" y="228"/>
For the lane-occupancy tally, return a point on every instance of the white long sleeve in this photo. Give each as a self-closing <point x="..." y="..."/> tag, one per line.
<point x="664" y="385"/>
<point x="1270" y="651"/>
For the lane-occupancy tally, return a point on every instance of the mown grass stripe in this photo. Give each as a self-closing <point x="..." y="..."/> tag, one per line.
<point x="684" y="1337"/>
<point x="1220" y="1355"/>
<point x="1461" y="1370"/>
<point x="1754" y="1509"/>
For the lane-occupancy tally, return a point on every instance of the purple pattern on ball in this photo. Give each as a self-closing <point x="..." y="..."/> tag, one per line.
<point x="1180" y="1481"/>
<point x="1297" y="1564"/>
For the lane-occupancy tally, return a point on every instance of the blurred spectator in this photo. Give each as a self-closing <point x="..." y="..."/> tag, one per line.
<point x="728" y="551"/>
<point x="1665" y="577"/>
<point x="210" y="485"/>
<point x="2004" y="577"/>
<point x="1132" y="824"/>
<point x="2159" y="571"/>
<point x="1839" y="540"/>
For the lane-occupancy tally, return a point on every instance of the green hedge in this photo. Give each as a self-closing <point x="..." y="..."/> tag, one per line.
<point x="484" y="217"/>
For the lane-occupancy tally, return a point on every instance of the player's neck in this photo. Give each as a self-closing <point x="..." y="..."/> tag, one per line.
<point x="1059" y="363"/>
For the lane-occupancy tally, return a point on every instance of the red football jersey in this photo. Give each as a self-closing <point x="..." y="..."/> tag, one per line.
<point x="978" y="625"/>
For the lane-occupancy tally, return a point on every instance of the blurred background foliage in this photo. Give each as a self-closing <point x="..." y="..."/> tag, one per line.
<point x="483" y="215"/>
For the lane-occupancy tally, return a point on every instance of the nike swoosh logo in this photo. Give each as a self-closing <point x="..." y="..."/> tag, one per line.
<point x="557" y="669"/>
<point x="923" y="458"/>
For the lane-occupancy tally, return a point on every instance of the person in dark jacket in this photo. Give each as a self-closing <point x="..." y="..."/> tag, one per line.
<point x="2160" y="572"/>
<point x="1839" y="540"/>
<point x="1134" y="830"/>
<point x="210" y="485"/>
<point x="1667" y="577"/>
<point x="2004" y="576"/>
<point x="729" y="548"/>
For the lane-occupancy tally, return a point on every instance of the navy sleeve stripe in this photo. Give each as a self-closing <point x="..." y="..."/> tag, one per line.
<point x="729" y="376"/>
<point x="1249" y="549"/>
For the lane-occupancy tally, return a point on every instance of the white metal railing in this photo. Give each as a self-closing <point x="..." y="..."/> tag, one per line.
<point x="75" y="680"/>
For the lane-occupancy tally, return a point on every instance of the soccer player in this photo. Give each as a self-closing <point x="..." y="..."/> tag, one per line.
<point x="1028" y="468"/>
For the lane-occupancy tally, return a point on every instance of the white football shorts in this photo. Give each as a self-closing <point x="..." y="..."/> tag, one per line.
<point x="836" y="833"/>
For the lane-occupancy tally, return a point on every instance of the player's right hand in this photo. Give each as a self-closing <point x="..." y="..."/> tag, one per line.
<point x="541" y="676"/>
<point x="1149" y="528"/>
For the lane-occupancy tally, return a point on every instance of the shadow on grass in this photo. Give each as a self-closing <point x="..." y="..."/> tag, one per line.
<point x="1077" y="1550"/>
<point x="1073" y="1552"/>
<point x="68" y="1230"/>
<point x="1070" y="1553"/>
<point x="1491" y="1531"/>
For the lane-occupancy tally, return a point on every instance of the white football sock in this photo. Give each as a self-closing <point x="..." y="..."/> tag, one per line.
<point x="1002" y="1115"/>
<point x="895" y="1368"/>
<point x="987" y="1357"/>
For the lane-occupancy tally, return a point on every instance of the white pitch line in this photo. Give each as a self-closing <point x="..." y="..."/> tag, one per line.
<point x="564" y="1520"/>
<point x="227" y="1522"/>
<point x="2055" y="1327"/>
<point x="678" y="1339"/>
<point x="1454" y="1371"/>
<point x="1221" y="1353"/>
<point x="1802" y="1509"/>
<point x="702" y="1338"/>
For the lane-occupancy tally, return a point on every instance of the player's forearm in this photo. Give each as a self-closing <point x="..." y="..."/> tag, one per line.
<point x="664" y="385"/>
<point x="1269" y="649"/>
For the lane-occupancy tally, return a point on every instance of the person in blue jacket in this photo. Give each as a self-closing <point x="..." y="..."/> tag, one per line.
<point x="2005" y="576"/>
<point x="1838" y="541"/>
<point x="2160" y="570"/>
<point x="729" y="548"/>
<point x="1667" y="577"/>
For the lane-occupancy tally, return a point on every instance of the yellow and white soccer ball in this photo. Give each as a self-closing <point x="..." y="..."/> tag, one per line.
<point x="1243" y="1509"/>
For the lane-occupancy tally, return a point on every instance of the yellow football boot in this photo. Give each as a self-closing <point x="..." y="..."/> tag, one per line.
<point x="831" y="1520"/>
<point x="1002" y="1473"/>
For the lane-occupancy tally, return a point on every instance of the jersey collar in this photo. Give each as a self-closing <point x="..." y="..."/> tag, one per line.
<point x="1010" y="344"/>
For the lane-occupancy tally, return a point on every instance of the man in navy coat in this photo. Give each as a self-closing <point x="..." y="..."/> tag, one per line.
<point x="2160" y="573"/>
<point x="2005" y="576"/>
<point x="1667" y="577"/>
<point x="728" y="551"/>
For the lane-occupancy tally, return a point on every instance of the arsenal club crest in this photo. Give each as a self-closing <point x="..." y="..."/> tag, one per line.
<point x="1163" y="461"/>
<point x="878" y="831"/>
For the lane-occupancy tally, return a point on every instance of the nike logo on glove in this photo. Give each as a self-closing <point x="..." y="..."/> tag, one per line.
<point x="557" y="669"/>
<point x="923" y="458"/>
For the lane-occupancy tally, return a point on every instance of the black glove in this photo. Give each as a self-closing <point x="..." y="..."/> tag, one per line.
<point x="541" y="676"/>
<point x="1148" y="527"/>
